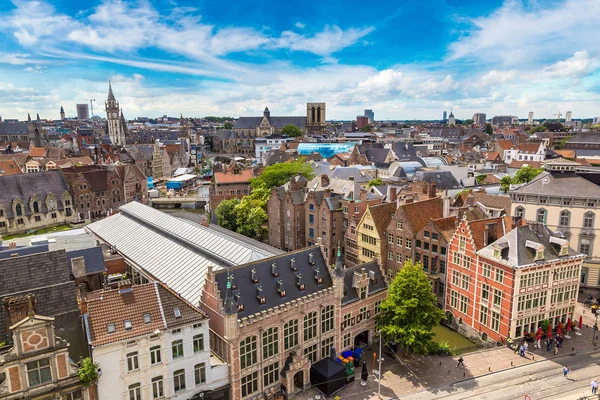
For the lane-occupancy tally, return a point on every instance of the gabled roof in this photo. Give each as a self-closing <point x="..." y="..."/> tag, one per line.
<point x="9" y="167"/>
<point x="94" y="261"/>
<point x="375" y="285"/>
<point x="489" y="229"/>
<point x="37" y="152"/>
<point x="419" y="213"/>
<point x="166" y="310"/>
<point x="446" y="226"/>
<point x="25" y="186"/>
<point x="566" y="184"/>
<point x="247" y="289"/>
<point x="382" y="215"/>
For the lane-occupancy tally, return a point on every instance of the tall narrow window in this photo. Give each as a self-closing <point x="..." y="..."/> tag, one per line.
<point x="588" y="220"/>
<point x="270" y="342"/>
<point x="179" y="380"/>
<point x="36" y="207"/>
<point x="19" y="210"/>
<point x="38" y="372"/>
<point x="135" y="392"/>
<point x="200" y="373"/>
<point x="157" y="387"/>
<point x="565" y="218"/>
<point x="177" y="347"/>
<point x="198" y="343"/>
<point x="290" y="334"/>
<point x="310" y="326"/>
<point x="541" y="216"/>
<point x="132" y="361"/>
<point x="248" y="352"/>
<point x="327" y="315"/>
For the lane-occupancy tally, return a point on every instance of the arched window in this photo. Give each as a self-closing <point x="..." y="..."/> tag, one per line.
<point x="36" y="207"/>
<point x="19" y="210"/>
<point x="588" y="220"/>
<point x="520" y="212"/>
<point x="313" y="115"/>
<point x="541" y="216"/>
<point x="248" y="352"/>
<point x="565" y="218"/>
<point x="319" y="114"/>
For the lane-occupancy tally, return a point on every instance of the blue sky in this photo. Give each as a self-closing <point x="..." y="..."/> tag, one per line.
<point x="404" y="59"/>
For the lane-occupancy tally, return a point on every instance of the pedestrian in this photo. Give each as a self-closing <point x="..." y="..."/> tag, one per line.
<point x="594" y="386"/>
<point x="556" y="349"/>
<point x="548" y="345"/>
<point x="460" y="362"/>
<point x="522" y="351"/>
<point x="565" y="371"/>
<point x="526" y="345"/>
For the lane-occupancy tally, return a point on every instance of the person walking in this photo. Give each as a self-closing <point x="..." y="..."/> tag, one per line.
<point x="526" y="347"/>
<point x="565" y="371"/>
<point x="460" y="362"/>
<point x="548" y="345"/>
<point x="594" y="386"/>
<point x="556" y="348"/>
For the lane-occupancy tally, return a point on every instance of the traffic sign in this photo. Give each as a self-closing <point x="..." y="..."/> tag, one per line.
<point x="527" y="397"/>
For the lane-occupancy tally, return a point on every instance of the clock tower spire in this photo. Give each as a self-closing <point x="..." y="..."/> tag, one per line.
<point x="114" y="120"/>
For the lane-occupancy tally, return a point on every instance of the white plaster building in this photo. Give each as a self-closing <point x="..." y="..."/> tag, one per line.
<point x="150" y="343"/>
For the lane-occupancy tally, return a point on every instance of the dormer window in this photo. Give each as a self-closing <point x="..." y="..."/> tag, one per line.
<point x="127" y="324"/>
<point x="564" y="250"/>
<point x="311" y="259"/>
<point x="260" y="296"/>
<point x="372" y="275"/>
<point x="147" y="318"/>
<point x="177" y="312"/>
<point x="274" y="270"/>
<point x="318" y="276"/>
<point x="280" y="288"/>
<point x="232" y="281"/>
<point x="300" y="281"/>
<point x="110" y="328"/>
<point x="254" y="276"/>
<point x="293" y="265"/>
<point x="539" y="254"/>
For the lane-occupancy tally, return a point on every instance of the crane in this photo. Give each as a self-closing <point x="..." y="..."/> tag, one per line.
<point x="558" y="115"/>
<point x="92" y="106"/>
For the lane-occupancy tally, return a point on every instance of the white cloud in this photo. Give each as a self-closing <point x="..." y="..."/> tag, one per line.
<point x="495" y="77"/>
<point x="300" y="25"/>
<point x="331" y="40"/>
<point x="579" y="65"/>
<point x="14" y="58"/>
<point x="515" y="34"/>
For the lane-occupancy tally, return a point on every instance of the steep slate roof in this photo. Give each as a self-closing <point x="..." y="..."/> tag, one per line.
<point x="566" y="184"/>
<point x="247" y="289"/>
<point x="375" y="286"/>
<point x="585" y="137"/>
<point x="115" y="306"/>
<point x="493" y="201"/>
<point x="25" y="186"/>
<point x="13" y="128"/>
<point x="518" y="254"/>
<point x="382" y="215"/>
<point x="442" y="179"/>
<point x="94" y="261"/>
<point x="276" y="122"/>
<point x="44" y="275"/>
<point x="155" y="241"/>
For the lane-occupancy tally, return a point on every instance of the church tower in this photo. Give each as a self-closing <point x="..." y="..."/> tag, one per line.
<point x="62" y="113"/>
<point x="116" y="128"/>
<point x="315" y="117"/>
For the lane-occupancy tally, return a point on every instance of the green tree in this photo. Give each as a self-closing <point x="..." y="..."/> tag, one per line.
<point x="526" y="174"/>
<point x="227" y="215"/>
<point x="291" y="130"/>
<point x="488" y="129"/>
<point x="375" y="182"/>
<point x="464" y="191"/>
<point x="554" y="126"/>
<point x="468" y="122"/>
<point x="539" y="128"/>
<point x="505" y="183"/>
<point x="366" y="128"/>
<point x="88" y="372"/>
<point x="409" y="313"/>
<point x="480" y="179"/>
<point x="278" y="174"/>
<point x="228" y="125"/>
<point x="561" y="143"/>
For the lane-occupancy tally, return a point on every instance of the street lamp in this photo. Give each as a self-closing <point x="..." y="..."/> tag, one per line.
<point x="595" y="327"/>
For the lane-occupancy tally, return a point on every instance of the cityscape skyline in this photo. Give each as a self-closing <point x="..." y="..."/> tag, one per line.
<point x="201" y="61"/>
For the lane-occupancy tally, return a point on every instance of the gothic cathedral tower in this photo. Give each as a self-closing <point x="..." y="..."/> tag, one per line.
<point x="116" y="126"/>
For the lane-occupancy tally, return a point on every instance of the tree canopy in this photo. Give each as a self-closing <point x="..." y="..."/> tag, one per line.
<point x="278" y="174"/>
<point x="409" y="313"/>
<point x="375" y="182"/>
<point x="228" y="125"/>
<point x="523" y="175"/>
<point x="488" y="129"/>
<point x="366" y="128"/>
<point x="248" y="215"/>
<point x="468" y="122"/>
<point x="554" y="126"/>
<point x="291" y="130"/>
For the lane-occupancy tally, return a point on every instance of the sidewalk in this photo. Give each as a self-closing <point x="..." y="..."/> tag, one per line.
<point x="412" y="373"/>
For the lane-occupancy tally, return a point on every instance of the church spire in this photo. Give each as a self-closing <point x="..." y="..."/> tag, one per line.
<point x="28" y="117"/>
<point x="111" y="96"/>
<point x="339" y="265"/>
<point x="38" y="116"/>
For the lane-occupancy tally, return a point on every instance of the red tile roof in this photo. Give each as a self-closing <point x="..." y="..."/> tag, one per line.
<point x="37" y="152"/>
<point x="243" y="177"/>
<point x="9" y="167"/>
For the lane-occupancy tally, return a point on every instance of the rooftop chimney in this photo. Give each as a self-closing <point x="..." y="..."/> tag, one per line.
<point x="432" y="189"/>
<point x="19" y="307"/>
<point x="12" y="245"/>
<point x="393" y="193"/>
<point x="324" y="180"/>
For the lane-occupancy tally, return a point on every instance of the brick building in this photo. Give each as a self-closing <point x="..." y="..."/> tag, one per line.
<point x="503" y="279"/>
<point x="324" y="222"/>
<point x="100" y="190"/>
<point x="273" y="318"/>
<point x="353" y="211"/>
<point x="233" y="183"/>
<point x="286" y="210"/>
